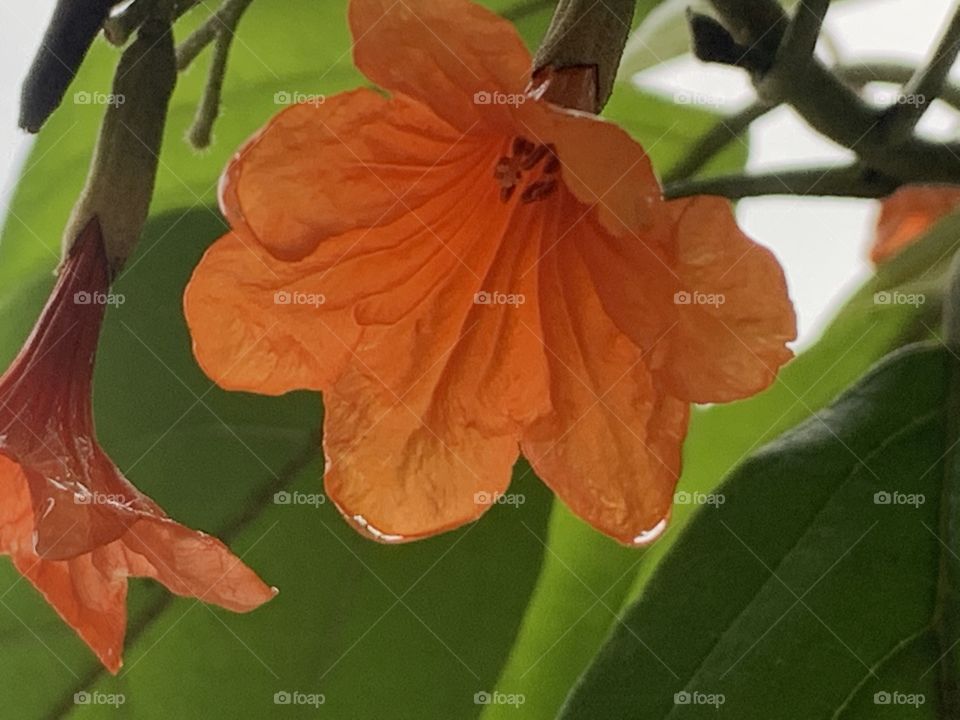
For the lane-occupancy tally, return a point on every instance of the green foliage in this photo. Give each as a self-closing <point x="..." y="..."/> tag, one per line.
<point x="814" y="585"/>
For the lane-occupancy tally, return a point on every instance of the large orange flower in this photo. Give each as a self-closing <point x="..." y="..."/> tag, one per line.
<point x="908" y="214"/>
<point x="70" y="521"/>
<point x="467" y="271"/>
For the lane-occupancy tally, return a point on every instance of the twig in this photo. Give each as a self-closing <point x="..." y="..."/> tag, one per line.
<point x="121" y="26"/>
<point x="829" y="104"/>
<point x="852" y="181"/>
<point x="224" y="20"/>
<point x="800" y="38"/>
<point x="864" y="73"/>
<point x="201" y="130"/>
<point x="715" y="140"/>
<point x="925" y="85"/>
<point x="219" y="29"/>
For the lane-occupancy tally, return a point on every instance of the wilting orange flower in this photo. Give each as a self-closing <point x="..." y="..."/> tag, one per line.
<point x="467" y="271"/>
<point x="70" y="521"/>
<point x="907" y="214"/>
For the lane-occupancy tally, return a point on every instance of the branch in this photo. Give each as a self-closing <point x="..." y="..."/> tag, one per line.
<point x="800" y="38"/>
<point x="827" y="103"/>
<point x="852" y="181"/>
<point x="722" y="134"/>
<point x="864" y="73"/>
<point x="224" y="20"/>
<point x="925" y="85"/>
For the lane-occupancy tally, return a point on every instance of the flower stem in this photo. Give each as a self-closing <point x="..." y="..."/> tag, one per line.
<point x="587" y="34"/>
<point x="124" y="167"/>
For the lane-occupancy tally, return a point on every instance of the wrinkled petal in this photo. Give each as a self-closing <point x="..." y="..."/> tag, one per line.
<point x="734" y="315"/>
<point x="256" y="324"/>
<point x="399" y="470"/>
<point x="907" y="214"/>
<point x="89" y="590"/>
<point x="452" y="55"/>
<point x="720" y="298"/>
<point x="356" y="160"/>
<point x="611" y="449"/>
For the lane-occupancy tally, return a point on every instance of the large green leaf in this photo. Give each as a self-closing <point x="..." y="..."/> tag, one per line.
<point x="814" y="585"/>
<point x="586" y="579"/>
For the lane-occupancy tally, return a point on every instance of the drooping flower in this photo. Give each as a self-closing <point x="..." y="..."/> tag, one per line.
<point x="908" y="214"/>
<point x="69" y="520"/>
<point x="468" y="271"/>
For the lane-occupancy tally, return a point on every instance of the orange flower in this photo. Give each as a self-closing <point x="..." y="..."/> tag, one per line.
<point x="467" y="271"/>
<point x="908" y="214"/>
<point x="70" y="521"/>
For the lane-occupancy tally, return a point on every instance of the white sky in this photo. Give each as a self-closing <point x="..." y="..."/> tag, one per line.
<point x="821" y="243"/>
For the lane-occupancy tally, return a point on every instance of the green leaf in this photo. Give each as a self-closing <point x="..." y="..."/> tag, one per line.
<point x="813" y="585"/>
<point x="587" y="579"/>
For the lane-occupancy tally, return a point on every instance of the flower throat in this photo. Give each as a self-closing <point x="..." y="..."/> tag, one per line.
<point x="524" y="157"/>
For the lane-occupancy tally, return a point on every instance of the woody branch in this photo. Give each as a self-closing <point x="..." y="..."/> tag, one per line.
<point x="778" y="52"/>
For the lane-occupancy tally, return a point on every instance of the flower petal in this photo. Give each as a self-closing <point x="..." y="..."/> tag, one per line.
<point x="89" y="590"/>
<point x="399" y="469"/>
<point x="356" y="160"/>
<point x="250" y="329"/>
<point x="709" y="303"/>
<point x="452" y="55"/>
<point x="734" y="313"/>
<point x="611" y="449"/>
<point x="907" y="214"/>
<point x="603" y="166"/>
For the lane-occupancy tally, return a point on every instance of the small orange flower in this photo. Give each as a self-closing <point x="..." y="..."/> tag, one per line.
<point x="70" y="521"/>
<point x="467" y="271"/>
<point x="907" y="214"/>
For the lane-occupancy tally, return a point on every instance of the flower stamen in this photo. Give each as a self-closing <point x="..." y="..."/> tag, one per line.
<point x="525" y="156"/>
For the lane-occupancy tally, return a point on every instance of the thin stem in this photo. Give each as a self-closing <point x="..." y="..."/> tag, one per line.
<point x="864" y="73"/>
<point x="851" y="181"/>
<point x="925" y="85"/>
<point x="722" y="134"/>
<point x="201" y="131"/>
<point x="800" y="39"/>
<point x="224" y="20"/>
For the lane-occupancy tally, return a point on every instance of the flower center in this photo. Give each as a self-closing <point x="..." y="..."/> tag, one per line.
<point x="525" y="157"/>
